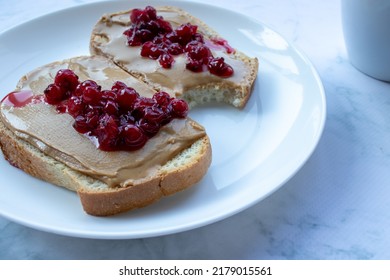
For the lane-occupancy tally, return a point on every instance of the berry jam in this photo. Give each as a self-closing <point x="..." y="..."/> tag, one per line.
<point x="119" y="118"/>
<point x="159" y="41"/>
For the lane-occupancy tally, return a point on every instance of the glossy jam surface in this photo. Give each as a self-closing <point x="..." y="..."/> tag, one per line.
<point x="159" y="41"/>
<point x="118" y="118"/>
<point x="20" y="98"/>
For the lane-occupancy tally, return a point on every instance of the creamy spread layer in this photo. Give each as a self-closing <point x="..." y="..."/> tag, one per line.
<point x="177" y="79"/>
<point x="41" y="125"/>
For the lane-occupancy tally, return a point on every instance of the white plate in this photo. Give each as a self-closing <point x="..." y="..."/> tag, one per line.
<point x="255" y="151"/>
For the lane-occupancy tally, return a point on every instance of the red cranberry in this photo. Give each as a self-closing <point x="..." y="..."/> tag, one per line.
<point x="144" y="35"/>
<point x="185" y="32"/>
<point x="82" y="86"/>
<point x="151" y="12"/>
<point x="143" y="102"/>
<point x="66" y="79"/>
<point x="179" y="108"/>
<point x="155" y="114"/>
<point x="199" y="38"/>
<point x="54" y="94"/>
<point x="166" y="60"/>
<point x="92" y="119"/>
<point x="62" y="107"/>
<point x="194" y="65"/>
<point x="138" y="15"/>
<point x="108" y="95"/>
<point x="107" y="133"/>
<point x="91" y="95"/>
<point x="126" y="118"/>
<point x="140" y="105"/>
<point x="111" y="107"/>
<point x="118" y="85"/>
<point x="126" y="98"/>
<point x="165" y="26"/>
<point x="175" y="49"/>
<point x="198" y="51"/>
<point x="217" y="66"/>
<point x="172" y="37"/>
<point x="162" y="98"/>
<point x="75" y="106"/>
<point x="149" y="128"/>
<point x="151" y="50"/>
<point x="133" y="137"/>
<point x="132" y="39"/>
<point x="80" y="124"/>
<point x="152" y="26"/>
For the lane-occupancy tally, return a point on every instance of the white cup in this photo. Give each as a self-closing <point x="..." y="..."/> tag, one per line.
<point x="366" y="27"/>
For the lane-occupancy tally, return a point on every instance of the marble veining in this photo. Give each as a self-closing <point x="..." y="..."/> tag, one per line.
<point x="335" y="207"/>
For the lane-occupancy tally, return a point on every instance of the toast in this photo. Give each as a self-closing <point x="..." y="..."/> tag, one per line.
<point x="78" y="165"/>
<point x="113" y="37"/>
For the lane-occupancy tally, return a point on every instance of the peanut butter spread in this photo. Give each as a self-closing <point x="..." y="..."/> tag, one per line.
<point x="51" y="132"/>
<point x="111" y="41"/>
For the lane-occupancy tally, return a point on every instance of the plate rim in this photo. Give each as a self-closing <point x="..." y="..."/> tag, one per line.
<point x="190" y="226"/>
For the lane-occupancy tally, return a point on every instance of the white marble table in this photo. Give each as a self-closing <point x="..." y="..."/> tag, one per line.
<point x="336" y="207"/>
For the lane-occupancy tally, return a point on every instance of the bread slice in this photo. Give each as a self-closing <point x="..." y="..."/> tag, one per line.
<point x="107" y="39"/>
<point x="184" y="169"/>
